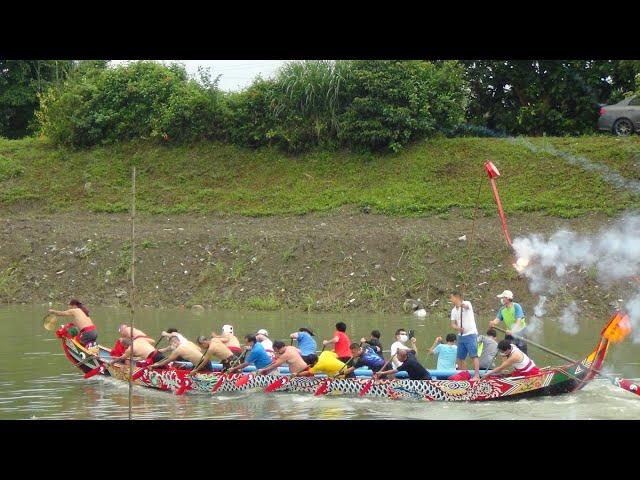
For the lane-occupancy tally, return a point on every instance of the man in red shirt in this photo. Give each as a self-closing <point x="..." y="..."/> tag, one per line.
<point x="341" y="342"/>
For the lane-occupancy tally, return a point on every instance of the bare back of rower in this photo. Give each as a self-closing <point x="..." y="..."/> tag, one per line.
<point x="125" y="331"/>
<point x="141" y="348"/>
<point x="79" y="317"/>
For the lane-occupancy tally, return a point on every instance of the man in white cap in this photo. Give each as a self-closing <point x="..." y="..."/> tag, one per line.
<point x="229" y="339"/>
<point x="512" y="315"/>
<point x="262" y="336"/>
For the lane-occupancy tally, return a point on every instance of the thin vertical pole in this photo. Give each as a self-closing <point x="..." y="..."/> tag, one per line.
<point x="133" y="282"/>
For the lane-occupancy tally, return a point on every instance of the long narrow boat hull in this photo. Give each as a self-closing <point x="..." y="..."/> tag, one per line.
<point x="550" y="381"/>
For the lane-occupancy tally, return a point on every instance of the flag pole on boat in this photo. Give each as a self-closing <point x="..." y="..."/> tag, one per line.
<point x="133" y="282"/>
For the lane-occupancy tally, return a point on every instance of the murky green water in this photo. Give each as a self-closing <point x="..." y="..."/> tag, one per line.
<point x="38" y="382"/>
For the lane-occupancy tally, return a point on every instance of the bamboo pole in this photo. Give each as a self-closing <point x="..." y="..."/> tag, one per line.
<point x="133" y="283"/>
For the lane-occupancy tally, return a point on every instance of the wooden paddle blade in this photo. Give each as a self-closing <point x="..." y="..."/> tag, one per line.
<point x="50" y="322"/>
<point x="94" y="372"/>
<point x="323" y="388"/>
<point x="243" y="380"/>
<point x="276" y="385"/>
<point x="219" y="383"/>
<point x="366" y="388"/>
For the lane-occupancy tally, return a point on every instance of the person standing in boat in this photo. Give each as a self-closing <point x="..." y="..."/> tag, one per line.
<point x="262" y="336"/>
<point x="306" y="343"/>
<point x="257" y="355"/>
<point x="374" y="342"/>
<point x="399" y="344"/>
<point x="512" y="314"/>
<point x="446" y="352"/>
<point x="88" y="335"/>
<point x="409" y="363"/>
<point x="141" y="349"/>
<point x="463" y="321"/>
<point x="516" y="358"/>
<point x="229" y="339"/>
<point x="340" y="341"/>
<point x="285" y="354"/>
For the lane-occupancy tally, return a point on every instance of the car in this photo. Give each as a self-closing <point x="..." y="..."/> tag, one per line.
<point x="622" y="118"/>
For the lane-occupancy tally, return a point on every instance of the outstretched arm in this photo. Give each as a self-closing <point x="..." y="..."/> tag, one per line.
<point x="435" y="343"/>
<point x="64" y="313"/>
<point x="169" y="359"/>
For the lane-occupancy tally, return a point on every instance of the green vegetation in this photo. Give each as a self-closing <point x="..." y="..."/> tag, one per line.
<point x="429" y="178"/>
<point x="264" y="303"/>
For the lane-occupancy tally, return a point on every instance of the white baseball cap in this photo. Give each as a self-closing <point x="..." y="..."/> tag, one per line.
<point x="227" y="329"/>
<point x="262" y="331"/>
<point x="506" y="294"/>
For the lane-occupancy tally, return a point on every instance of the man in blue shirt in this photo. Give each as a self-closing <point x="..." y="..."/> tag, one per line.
<point x="364" y="357"/>
<point x="306" y="343"/>
<point x="257" y="355"/>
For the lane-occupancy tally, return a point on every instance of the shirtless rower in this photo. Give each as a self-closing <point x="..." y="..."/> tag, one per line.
<point x="172" y="333"/>
<point x="88" y="335"/>
<point x="214" y="348"/>
<point x="141" y="350"/>
<point x="229" y="339"/>
<point x="184" y="352"/>
<point x="290" y="355"/>
<point x="125" y="332"/>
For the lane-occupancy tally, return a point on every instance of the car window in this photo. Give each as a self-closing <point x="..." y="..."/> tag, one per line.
<point x="635" y="101"/>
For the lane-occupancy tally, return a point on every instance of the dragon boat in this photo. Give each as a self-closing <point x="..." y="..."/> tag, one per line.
<point x="550" y="381"/>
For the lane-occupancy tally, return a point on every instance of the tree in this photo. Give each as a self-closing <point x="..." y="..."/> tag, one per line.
<point x="20" y="83"/>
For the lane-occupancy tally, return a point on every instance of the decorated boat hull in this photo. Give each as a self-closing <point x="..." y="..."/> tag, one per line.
<point x="550" y="381"/>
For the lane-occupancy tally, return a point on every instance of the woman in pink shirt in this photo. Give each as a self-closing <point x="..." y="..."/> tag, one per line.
<point x="341" y="342"/>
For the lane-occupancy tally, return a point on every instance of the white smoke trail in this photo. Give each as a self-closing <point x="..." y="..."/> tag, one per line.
<point x="539" y="309"/>
<point x="613" y="255"/>
<point x="568" y="320"/>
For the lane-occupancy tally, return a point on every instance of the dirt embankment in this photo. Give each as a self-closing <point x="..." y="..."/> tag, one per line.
<point x="345" y="260"/>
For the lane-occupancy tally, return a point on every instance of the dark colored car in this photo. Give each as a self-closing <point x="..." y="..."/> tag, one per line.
<point x="622" y="118"/>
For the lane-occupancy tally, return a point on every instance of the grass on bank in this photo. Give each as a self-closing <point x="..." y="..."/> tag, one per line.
<point x="430" y="177"/>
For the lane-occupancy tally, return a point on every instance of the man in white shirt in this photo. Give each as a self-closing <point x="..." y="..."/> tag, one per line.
<point x="399" y="344"/>
<point x="464" y="322"/>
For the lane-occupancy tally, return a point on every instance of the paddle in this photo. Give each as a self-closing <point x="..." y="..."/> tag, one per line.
<point x="50" y="322"/>
<point x="618" y="382"/>
<point x="367" y="386"/>
<point x="285" y="378"/>
<point x="225" y="376"/>
<point x="324" y="386"/>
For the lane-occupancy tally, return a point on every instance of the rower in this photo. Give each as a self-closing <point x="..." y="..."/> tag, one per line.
<point x="285" y="354"/>
<point x="399" y="344"/>
<point x="182" y="352"/>
<point x="446" y="352"/>
<point x="409" y="364"/>
<point x="306" y="343"/>
<point x="341" y="342"/>
<point x="214" y="348"/>
<point x="125" y="332"/>
<point x="262" y="336"/>
<point x="327" y="363"/>
<point x="229" y="339"/>
<point x="141" y="349"/>
<point x="516" y="358"/>
<point x="365" y="357"/>
<point x="257" y="355"/>
<point x="374" y="341"/>
<point x="88" y="335"/>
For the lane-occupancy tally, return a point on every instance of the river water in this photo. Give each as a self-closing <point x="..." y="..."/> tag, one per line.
<point x="38" y="382"/>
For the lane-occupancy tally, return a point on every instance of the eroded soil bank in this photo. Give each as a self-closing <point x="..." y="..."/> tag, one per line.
<point x="336" y="261"/>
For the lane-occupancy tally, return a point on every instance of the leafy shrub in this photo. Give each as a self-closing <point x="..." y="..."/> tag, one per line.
<point x="10" y="168"/>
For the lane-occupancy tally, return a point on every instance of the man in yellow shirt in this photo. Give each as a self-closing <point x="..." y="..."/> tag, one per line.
<point x="327" y="363"/>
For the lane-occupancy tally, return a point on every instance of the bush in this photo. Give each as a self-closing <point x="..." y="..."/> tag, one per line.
<point x="139" y="100"/>
<point x="394" y="102"/>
